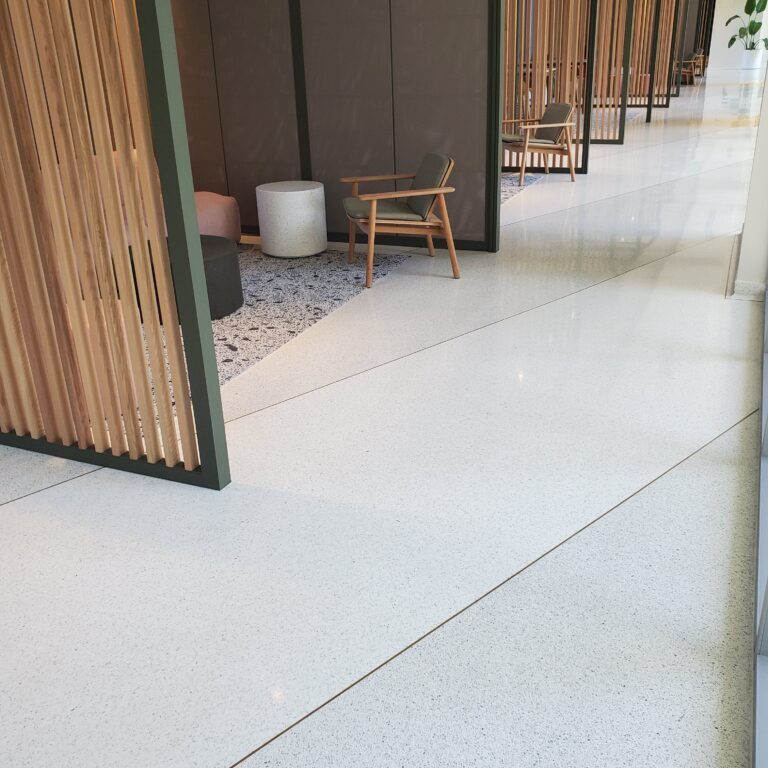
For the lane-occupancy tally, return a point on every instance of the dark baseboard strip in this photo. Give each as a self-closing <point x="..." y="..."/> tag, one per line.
<point x="123" y="463"/>
<point x="395" y="240"/>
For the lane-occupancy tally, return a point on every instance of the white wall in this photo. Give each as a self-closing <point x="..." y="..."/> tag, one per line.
<point x="753" y="257"/>
<point x="720" y="56"/>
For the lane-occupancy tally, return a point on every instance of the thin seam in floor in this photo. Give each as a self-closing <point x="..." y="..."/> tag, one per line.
<point x="491" y="591"/>
<point x="417" y="351"/>
<point x="477" y="329"/>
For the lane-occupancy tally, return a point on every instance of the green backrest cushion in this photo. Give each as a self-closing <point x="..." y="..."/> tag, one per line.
<point x="554" y="113"/>
<point x="431" y="174"/>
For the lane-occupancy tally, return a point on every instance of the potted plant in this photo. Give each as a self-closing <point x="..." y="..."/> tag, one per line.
<point x="748" y="34"/>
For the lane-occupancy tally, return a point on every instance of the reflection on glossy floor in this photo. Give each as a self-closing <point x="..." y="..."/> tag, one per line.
<point x="580" y="403"/>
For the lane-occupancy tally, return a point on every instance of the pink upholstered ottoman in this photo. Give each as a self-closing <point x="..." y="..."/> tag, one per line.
<point x="218" y="215"/>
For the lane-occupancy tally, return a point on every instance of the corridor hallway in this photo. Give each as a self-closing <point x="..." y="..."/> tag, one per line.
<point x="502" y="521"/>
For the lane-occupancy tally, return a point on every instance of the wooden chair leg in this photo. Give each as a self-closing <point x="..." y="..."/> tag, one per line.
<point x="545" y="155"/>
<point x="430" y="245"/>
<point x="569" y="147"/>
<point x="523" y="160"/>
<point x="351" y="256"/>
<point x="448" y="234"/>
<point x="371" y="245"/>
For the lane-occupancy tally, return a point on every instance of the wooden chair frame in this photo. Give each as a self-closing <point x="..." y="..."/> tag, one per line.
<point x="562" y="148"/>
<point x="432" y="226"/>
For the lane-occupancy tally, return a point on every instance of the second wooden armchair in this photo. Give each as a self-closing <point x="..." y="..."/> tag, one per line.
<point x="549" y="135"/>
<point x="403" y="212"/>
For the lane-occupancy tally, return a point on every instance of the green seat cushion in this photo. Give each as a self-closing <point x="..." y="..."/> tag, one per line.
<point x="385" y="209"/>
<point x="514" y="138"/>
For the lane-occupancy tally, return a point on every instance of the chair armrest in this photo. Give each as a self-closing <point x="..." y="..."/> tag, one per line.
<point x="520" y="120"/>
<point x="406" y="193"/>
<point x="384" y="177"/>
<point x="546" y="125"/>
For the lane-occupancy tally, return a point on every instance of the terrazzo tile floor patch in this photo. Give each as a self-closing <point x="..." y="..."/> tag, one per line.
<point x="510" y="184"/>
<point x="283" y="297"/>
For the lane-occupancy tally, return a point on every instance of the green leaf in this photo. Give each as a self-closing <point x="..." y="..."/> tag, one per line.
<point x="742" y="32"/>
<point x="749" y="8"/>
<point x="731" y="19"/>
<point x="754" y="27"/>
<point x="732" y="41"/>
<point x="761" y="6"/>
<point x="765" y="43"/>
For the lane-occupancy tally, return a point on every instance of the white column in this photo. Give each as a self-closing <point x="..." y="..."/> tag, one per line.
<point x="753" y="256"/>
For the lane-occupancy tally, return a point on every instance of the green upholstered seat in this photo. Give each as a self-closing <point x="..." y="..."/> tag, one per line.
<point x="430" y="174"/>
<point x="515" y="138"/>
<point x="396" y="210"/>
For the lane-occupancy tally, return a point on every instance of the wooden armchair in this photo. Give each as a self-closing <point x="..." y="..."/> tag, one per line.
<point x="549" y="135"/>
<point x="687" y="71"/>
<point x="403" y="212"/>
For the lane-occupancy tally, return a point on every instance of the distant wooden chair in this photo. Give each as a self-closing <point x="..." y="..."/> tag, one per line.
<point x="403" y="212"/>
<point x="699" y="63"/>
<point x="549" y="135"/>
<point x="688" y="71"/>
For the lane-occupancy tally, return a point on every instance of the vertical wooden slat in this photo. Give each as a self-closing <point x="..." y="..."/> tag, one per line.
<point x="19" y="408"/>
<point x="151" y="194"/>
<point x="32" y="60"/>
<point x="90" y="341"/>
<point x="547" y="58"/>
<point x="31" y="235"/>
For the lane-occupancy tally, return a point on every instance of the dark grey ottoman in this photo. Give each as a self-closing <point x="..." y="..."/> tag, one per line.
<point x="222" y="275"/>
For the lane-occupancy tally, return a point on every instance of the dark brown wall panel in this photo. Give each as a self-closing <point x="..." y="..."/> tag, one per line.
<point x="254" y="65"/>
<point x="349" y="94"/>
<point x="440" y="61"/>
<point x="201" y="102"/>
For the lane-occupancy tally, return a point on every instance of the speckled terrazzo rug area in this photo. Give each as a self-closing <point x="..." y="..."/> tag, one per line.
<point x="283" y="297"/>
<point x="510" y="184"/>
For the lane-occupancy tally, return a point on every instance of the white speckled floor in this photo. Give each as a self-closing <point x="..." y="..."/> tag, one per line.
<point x="423" y="444"/>
<point x="577" y="661"/>
<point x="284" y="297"/>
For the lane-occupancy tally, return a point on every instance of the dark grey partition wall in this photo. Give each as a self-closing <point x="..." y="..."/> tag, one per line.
<point x="367" y="87"/>
<point x="254" y="68"/>
<point x="349" y="94"/>
<point x="201" y="99"/>
<point x="440" y="65"/>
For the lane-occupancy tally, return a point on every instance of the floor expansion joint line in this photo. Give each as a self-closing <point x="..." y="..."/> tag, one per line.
<point x="474" y="330"/>
<point x="48" y="487"/>
<point x="482" y="597"/>
<point x="624" y="194"/>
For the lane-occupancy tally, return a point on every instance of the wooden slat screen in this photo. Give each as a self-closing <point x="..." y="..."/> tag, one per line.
<point x="91" y="352"/>
<point x="642" y="49"/>
<point x="547" y="60"/>
<point x="612" y="27"/>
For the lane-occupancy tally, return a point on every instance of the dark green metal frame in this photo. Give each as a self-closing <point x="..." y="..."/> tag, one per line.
<point x="625" y="64"/>
<point x="172" y="153"/>
<point x="589" y="98"/>
<point x="681" y="50"/>
<point x="654" y="57"/>
<point x="493" y="141"/>
<point x="491" y="234"/>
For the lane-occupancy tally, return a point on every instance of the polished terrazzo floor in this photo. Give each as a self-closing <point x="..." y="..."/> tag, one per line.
<point x="506" y="520"/>
<point x="283" y="297"/>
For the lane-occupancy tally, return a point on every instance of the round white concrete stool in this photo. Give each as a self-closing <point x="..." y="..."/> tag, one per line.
<point x="292" y="218"/>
